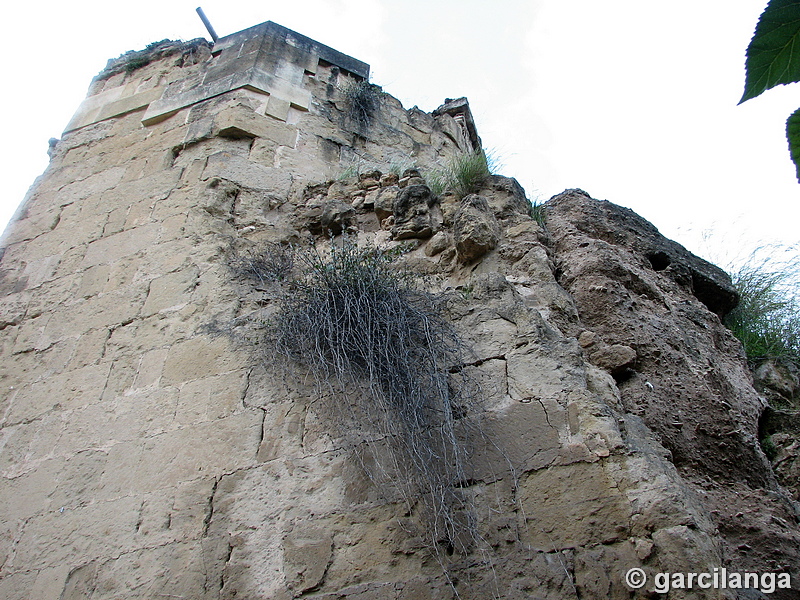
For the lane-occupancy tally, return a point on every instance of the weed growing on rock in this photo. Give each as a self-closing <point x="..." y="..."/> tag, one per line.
<point x="136" y="62"/>
<point x="362" y="102"/>
<point x="767" y="318"/>
<point x="463" y="175"/>
<point x="351" y="171"/>
<point x="768" y="446"/>
<point x="382" y="349"/>
<point x="537" y="213"/>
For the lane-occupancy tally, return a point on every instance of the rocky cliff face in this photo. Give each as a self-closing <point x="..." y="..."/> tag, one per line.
<point x="689" y="380"/>
<point x="151" y="446"/>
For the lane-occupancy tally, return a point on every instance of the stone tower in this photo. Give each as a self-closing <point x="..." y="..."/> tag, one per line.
<point x="148" y="450"/>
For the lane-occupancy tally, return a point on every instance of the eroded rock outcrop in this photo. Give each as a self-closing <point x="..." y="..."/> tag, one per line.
<point x="689" y="382"/>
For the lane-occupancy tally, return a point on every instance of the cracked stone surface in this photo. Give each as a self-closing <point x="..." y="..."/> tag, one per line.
<point x="150" y="446"/>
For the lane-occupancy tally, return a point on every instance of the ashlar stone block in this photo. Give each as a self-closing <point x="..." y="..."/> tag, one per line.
<point x="175" y="570"/>
<point x="205" y="450"/>
<point x="240" y="121"/>
<point x="171" y="292"/>
<point x="240" y="170"/>
<point x="71" y="389"/>
<point x="78" y="535"/>
<point x="571" y="506"/>
<point x="110" y="249"/>
<point x="212" y="398"/>
<point x="49" y="584"/>
<point x="200" y="357"/>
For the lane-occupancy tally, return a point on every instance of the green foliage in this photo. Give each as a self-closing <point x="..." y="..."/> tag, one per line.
<point x="153" y="45"/>
<point x="136" y="62"/>
<point x="351" y="171"/>
<point x="463" y="175"/>
<point x="468" y="172"/>
<point x="793" y="135"/>
<point x="437" y="182"/>
<point x="466" y="291"/>
<point x="537" y="213"/>
<point x="768" y="446"/>
<point x="773" y="58"/>
<point x="767" y="318"/>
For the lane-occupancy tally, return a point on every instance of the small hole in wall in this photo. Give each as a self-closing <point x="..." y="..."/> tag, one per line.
<point x="623" y="375"/>
<point x="659" y="260"/>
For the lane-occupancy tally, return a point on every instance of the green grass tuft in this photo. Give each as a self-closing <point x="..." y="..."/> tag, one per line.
<point x="537" y="213"/>
<point x="463" y="175"/>
<point x="767" y="319"/>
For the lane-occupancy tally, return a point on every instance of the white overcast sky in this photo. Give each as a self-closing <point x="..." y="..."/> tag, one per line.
<point x="630" y="100"/>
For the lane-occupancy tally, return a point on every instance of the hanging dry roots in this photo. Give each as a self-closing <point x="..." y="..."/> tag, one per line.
<point x="356" y="323"/>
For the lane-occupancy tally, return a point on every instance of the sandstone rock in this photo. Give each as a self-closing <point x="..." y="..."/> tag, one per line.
<point x="604" y="221"/>
<point x="506" y="197"/>
<point x="781" y="379"/>
<point x="373" y="175"/>
<point x="369" y="199"/>
<point x="358" y="201"/>
<point x="691" y="385"/>
<point x="368" y="184"/>
<point x="449" y="202"/>
<point x="475" y="229"/>
<point x="330" y="217"/>
<point x="307" y="553"/>
<point x="414" y="215"/>
<point x="342" y="190"/>
<point x="220" y="197"/>
<point x="388" y="179"/>
<point x="786" y="462"/>
<point x="614" y="358"/>
<point x="437" y="244"/>
<point x="384" y="201"/>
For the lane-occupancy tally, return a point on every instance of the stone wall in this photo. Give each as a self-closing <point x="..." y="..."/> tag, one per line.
<point x="150" y="449"/>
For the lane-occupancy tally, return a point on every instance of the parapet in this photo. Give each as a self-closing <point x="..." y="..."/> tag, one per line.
<point x="267" y="58"/>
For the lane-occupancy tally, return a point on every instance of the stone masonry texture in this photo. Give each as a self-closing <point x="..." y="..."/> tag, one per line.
<point x="150" y="447"/>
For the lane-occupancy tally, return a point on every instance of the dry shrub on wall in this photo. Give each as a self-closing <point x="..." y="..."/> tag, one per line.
<point x="363" y="102"/>
<point x="266" y="264"/>
<point x="355" y="322"/>
<point x="392" y="367"/>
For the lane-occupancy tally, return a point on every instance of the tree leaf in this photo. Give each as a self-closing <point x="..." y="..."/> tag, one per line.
<point x="773" y="56"/>
<point x="793" y="135"/>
